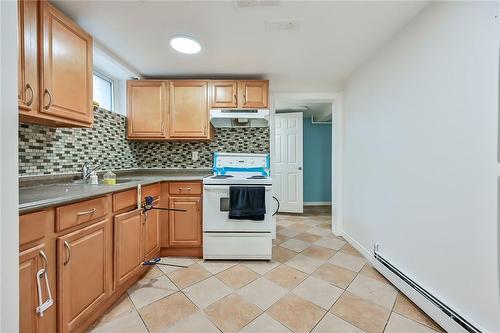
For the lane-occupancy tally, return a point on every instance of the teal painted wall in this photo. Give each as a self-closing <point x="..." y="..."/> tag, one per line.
<point x="317" y="162"/>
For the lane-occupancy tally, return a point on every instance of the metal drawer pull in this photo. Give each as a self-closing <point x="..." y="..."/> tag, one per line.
<point x="46" y="92"/>
<point x="30" y="88"/>
<point x="184" y="189"/>
<point x="42" y="273"/>
<point x="66" y="245"/>
<point x="92" y="211"/>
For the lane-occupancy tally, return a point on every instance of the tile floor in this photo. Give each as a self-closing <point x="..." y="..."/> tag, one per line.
<point x="316" y="283"/>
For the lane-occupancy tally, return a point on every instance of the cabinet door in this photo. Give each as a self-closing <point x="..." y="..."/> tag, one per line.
<point x="188" y="109"/>
<point x="185" y="227"/>
<point x="224" y="94"/>
<point x="84" y="273"/>
<point x="253" y="94"/>
<point x="30" y="262"/>
<point x="147" y="111"/>
<point x="129" y="249"/>
<point x="66" y="68"/>
<point x="28" y="94"/>
<point x="152" y="231"/>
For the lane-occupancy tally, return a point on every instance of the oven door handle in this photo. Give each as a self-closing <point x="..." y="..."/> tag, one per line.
<point x="226" y="187"/>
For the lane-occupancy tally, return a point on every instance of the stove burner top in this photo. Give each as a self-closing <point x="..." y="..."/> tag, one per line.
<point x="222" y="176"/>
<point x="257" y="177"/>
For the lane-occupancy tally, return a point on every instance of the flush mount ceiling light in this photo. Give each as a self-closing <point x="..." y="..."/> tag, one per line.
<point x="185" y="44"/>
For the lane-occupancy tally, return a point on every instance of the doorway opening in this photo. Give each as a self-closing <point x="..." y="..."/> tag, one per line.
<point x="303" y="150"/>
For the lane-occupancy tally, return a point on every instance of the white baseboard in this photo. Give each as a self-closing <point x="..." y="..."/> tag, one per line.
<point x="318" y="203"/>
<point x="425" y="305"/>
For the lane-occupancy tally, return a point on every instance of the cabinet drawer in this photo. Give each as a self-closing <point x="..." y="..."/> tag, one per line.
<point x="185" y="188"/>
<point x="74" y="214"/>
<point x="125" y="199"/>
<point x="32" y="226"/>
<point x="152" y="190"/>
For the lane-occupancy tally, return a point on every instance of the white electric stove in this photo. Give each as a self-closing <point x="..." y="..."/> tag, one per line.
<point x="225" y="238"/>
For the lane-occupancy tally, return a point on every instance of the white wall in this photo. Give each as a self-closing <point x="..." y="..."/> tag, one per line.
<point x="9" y="259"/>
<point x="420" y="155"/>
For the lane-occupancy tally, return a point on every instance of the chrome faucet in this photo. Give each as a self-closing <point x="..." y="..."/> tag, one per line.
<point x="87" y="170"/>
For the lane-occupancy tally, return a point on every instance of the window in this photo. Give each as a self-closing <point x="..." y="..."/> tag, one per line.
<point x="103" y="91"/>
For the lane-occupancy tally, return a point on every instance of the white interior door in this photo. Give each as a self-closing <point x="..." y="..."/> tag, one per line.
<point x="288" y="161"/>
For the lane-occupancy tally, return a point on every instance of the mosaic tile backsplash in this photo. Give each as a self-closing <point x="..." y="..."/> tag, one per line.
<point x="45" y="150"/>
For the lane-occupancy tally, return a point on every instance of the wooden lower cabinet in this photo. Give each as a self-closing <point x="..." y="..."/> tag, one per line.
<point x="30" y="262"/>
<point x="84" y="273"/>
<point x="185" y="227"/>
<point x="152" y="232"/>
<point x="128" y="244"/>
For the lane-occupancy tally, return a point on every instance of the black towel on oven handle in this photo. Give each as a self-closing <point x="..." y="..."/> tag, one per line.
<point x="247" y="203"/>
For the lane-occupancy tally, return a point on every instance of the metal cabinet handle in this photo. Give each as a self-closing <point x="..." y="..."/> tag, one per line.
<point x="66" y="245"/>
<point x="30" y="89"/>
<point x="47" y="92"/>
<point x="235" y="97"/>
<point x="44" y="258"/>
<point x="184" y="189"/>
<point x="92" y="211"/>
<point x="244" y="98"/>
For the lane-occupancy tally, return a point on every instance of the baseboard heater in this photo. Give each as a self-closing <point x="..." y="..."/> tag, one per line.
<point x="443" y="307"/>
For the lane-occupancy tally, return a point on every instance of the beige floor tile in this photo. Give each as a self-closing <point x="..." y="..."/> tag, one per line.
<point x="300" y="227"/>
<point x="265" y="324"/>
<point x="262" y="292"/>
<point x="284" y="222"/>
<point x="407" y="308"/>
<point x="176" y="261"/>
<point x="319" y="231"/>
<point x="280" y="239"/>
<point x="207" y="292"/>
<point x="130" y="323"/>
<point x="349" y="249"/>
<point x="319" y="253"/>
<point x="307" y="237"/>
<point x="295" y="245"/>
<point x="215" y="267"/>
<point x="335" y="275"/>
<point x="326" y="226"/>
<point x="374" y="291"/>
<point x="282" y="255"/>
<point x="369" y="271"/>
<point x="147" y="291"/>
<point x="232" y="313"/>
<point x="296" y="313"/>
<point x="364" y="314"/>
<point x="237" y="276"/>
<point x="312" y="221"/>
<point x="165" y="312"/>
<point x="353" y="263"/>
<point x="185" y="277"/>
<point x="331" y="243"/>
<point x="288" y="232"/>
<point x="304" y="263"/>
<point x="153" y="272"/>
<point x="121" y="307"/>
<point x="286" y="276"/>
<point x="400" y="324"/>
<point x="333" y="324"/>
<point x="318" y="292"/>
<point x="261" y="267"/>
<point x="195" y="323"/>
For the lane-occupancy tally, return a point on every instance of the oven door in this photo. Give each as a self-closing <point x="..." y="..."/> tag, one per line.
<point x="216" y="212"/>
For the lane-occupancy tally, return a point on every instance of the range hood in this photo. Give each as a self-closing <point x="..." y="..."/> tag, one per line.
<point x="239" y="117"/>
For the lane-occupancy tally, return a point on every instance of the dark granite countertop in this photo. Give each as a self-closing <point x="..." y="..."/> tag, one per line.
<point x="39" y="192"/>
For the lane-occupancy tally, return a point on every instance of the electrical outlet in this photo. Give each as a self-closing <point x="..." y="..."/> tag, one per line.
<point x="194" y="155"/>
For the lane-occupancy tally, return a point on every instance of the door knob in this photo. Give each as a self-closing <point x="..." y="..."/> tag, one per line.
<point x="300" y="168"/>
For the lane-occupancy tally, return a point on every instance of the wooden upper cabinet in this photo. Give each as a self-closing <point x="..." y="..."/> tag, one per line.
<point x="66" y="70"/>
<point x="147" y="109"/>
<point x="224" y="94"/>
<point x="189" y="109"/>
<point x="185" y="227"/>
<point x="84" y="273"/>
<point x="28" y="87"/>
<point x="253" y="94"/>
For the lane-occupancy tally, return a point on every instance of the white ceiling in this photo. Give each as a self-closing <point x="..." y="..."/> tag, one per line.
<point x="332" y="39"/>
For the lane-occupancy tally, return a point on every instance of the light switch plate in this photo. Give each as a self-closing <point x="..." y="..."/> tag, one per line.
<point x="194" y="155"/>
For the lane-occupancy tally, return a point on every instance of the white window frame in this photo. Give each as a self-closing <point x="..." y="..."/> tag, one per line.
<point x="113" y="88"/>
